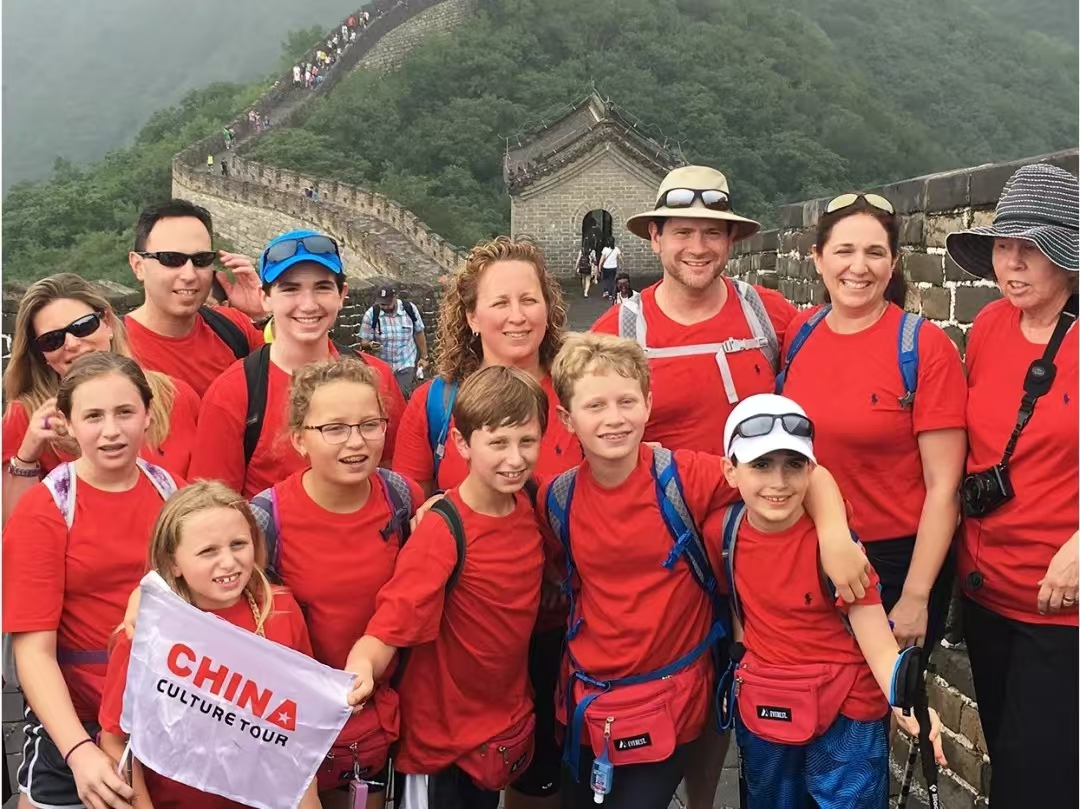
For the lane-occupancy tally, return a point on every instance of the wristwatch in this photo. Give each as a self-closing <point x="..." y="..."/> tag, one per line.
<point x="24" y="471"/>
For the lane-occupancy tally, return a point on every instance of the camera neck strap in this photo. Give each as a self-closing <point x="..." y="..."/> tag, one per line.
<point x="1040" y="375"/>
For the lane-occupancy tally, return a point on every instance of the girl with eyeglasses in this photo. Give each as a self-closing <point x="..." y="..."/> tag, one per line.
<point x="61" y="318"/>
<point x="886" y="392"/>
<point x="335" y="538"/>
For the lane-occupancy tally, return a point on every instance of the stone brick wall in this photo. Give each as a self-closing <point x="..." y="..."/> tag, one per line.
<point x="391" y="50"/>
<point x="931" y="207"/>
<point x="551" y="210"/>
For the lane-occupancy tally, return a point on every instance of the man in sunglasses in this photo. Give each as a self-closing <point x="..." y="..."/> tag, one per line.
<point x="711" y="342"/>
<point x="173" y="331"/>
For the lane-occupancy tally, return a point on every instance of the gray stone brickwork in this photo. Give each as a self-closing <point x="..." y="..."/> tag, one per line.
<point x="390" y="51"/>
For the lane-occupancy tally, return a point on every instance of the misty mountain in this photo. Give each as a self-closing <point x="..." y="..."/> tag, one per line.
<point x="81" y="78"/>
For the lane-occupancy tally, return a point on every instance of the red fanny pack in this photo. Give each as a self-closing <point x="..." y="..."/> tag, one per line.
<point x="497" y="762"/>
<point x="640" y="722"/>
<point x="791" y="704"/>
<point x="363" y="746"/>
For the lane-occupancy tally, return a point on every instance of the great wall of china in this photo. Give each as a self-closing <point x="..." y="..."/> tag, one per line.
<point x="384" y="241"/>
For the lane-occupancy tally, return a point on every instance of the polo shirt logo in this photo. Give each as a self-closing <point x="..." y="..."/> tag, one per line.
<point x="773" y="713"/>
<point x="634" y="742"/>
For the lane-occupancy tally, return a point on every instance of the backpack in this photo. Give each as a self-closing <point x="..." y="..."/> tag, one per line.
<point x="257" y="380"/>
<point x="395" y="491"/>
<point x="439" y="407"/>
<point x="632" y="326"/>
<point x="686" y="544"/>
<point x="410" y="310"/>
<point x="61" y="485"/>
<point x="227" y="331"/>
<point x="907" y="351"/>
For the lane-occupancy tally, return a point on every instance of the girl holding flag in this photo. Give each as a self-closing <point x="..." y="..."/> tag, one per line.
<point x="207" y="546"/>
<point x="73" y="549"/>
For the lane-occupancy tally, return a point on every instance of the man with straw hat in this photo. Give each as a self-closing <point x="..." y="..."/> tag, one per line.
<point x="711" y="341"/>
<point x="1017" y="555"/>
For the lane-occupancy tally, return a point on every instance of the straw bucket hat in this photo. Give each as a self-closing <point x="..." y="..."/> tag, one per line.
<point x="693" y="192"/>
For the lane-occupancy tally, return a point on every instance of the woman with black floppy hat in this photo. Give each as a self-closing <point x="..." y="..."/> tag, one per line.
<point x="1018" y="553"/>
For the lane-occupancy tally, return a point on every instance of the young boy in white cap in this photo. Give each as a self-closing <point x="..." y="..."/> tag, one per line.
<point x="813" y="676"/>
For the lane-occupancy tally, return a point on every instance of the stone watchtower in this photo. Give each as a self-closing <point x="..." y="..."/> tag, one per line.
<point x="581" y="177"/>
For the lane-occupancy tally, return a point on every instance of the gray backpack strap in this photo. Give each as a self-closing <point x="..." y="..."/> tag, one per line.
<point x="264" y="508"/>
<point x="161" y="479"/>
<point x="61" y="485"/>
<point x="662" y="459"/>
<point x="632" y="321"/>
<point x="733" y="517"/>
<point x="760" y="324"/>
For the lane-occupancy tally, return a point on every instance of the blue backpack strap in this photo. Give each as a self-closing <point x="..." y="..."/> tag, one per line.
<point x="907" y="348"/>
<point x="797" y="343"/>
<point x="264" y="506"/>
<point x="559" y="496"/>
<point x="399" y="501"/>
<point x="439" y="406"/>
<point x="733" y="517"/>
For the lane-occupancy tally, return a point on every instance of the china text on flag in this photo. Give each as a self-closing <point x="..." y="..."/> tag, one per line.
<point x="224" y="710"/>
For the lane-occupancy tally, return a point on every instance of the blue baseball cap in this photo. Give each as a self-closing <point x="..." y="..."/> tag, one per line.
<point x="296" y="247"/>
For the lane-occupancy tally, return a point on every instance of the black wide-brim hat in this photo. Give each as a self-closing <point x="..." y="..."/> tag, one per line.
<point x="1040" y="204"/>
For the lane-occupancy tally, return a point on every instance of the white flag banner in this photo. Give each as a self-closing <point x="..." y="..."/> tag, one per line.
<point x="223" y="710"/>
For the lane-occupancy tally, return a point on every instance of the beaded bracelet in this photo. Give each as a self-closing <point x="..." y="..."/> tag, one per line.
<point x="76" y="747"/>
<point x="23" y="471"/>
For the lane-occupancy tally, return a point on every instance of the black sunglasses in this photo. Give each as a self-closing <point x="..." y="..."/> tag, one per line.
<point x="793" y="424"/>
<point x="711" y="198"/>
<point x="317" y="245"/>
<point x="83" y="327"/>
<point x="171" y="258"/>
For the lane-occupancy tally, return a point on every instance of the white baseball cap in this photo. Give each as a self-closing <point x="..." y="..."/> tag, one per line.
<point x="778" y="437"/>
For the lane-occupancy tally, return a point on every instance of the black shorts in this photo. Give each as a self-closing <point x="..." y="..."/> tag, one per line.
<point x="43" y="775"/>
<point x="634" y="786"/>
<point x="545" y="662"/>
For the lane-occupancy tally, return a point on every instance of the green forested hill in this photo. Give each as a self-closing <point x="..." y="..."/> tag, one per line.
<point x="794" y="98"/>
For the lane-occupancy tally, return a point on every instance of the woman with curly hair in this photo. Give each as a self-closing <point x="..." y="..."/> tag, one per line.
<point x="501" y="308"/>
<point x="62" y="317"/>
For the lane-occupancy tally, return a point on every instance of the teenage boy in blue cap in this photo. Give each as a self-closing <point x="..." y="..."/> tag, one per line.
<point x="240" y="439"/>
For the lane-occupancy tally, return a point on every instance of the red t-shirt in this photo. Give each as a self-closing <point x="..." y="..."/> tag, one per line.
<point x="466" y="678"/>
<point x="850" y="386"/>
<point x="335" y="564"/>
<point x="77" y="583"/>
<point x="690" y="406"/>
<point x="789" y="618"/>
<point x="285" y="625"/>
<point x="219" y="443"/>
<point x="174" y="454"/>
<point x="1012" y="546"/>
<point x="639" y="615"/>
<point x="559" y="450"/>
<point x="198" y="357"/>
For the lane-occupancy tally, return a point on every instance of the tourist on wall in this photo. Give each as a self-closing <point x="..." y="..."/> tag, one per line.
<point x="62" y="318"/>
<point x="585" y="265"/>
<point x="609" y="268"/>
<point x="1018" y="554"/>
<point x="886" y="392"/>
<point x="624" y="291"/>
<point x="394" y="328"/>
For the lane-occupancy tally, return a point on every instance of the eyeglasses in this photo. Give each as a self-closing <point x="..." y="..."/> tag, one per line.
<point x="711" y="198"/>
<point x="338" y="433"/>
<point x="83" y="327"/>
<point x="793" y="424"/>
<point x="318" y="245"/>
<point x="847" y="200"/>
<point x="171" y="258"/>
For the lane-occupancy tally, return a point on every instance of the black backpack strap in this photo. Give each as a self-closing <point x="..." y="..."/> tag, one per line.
<point x="532" y="490"/>
<point x="227" y="331"/>
<point x="375" y="319"/>
<point x="257" y="377"/>
<point x="348" y="351"/>
<point x="410" y="310"/>
<point x="446" y="509"/>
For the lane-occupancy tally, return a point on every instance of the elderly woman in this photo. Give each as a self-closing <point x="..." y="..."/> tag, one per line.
<point x="1018" y="556"/>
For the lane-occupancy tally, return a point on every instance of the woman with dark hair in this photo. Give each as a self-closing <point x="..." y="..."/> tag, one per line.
<point x="1018" y="553"/>
<point x="885" y="390"/>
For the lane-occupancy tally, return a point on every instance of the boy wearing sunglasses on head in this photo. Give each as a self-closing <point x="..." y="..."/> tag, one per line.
<point x="173" y="330"/>
<point x="813" y="677"/>
<point x="241" y="436"/>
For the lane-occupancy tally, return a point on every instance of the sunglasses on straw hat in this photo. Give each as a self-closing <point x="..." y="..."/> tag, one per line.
<point x="847" y="200"/>
<point x="711" y="198"/>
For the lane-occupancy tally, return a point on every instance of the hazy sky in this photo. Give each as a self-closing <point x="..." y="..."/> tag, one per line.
<point x="81" y="76"/>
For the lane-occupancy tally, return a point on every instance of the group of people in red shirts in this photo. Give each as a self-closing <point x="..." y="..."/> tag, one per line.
<point x="567" y="622"/>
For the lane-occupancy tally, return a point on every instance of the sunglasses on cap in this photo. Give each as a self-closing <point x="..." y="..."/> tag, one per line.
<point x="793" y="424"/>
<point x="174" y="259"/>
<point x="83" y="327"/>
<point x="317" y="245"/>
<point x="847" y="200"/>
<point x="711" y="198"/>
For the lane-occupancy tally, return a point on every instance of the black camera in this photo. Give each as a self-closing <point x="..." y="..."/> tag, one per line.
<point x="985" y="491"/>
